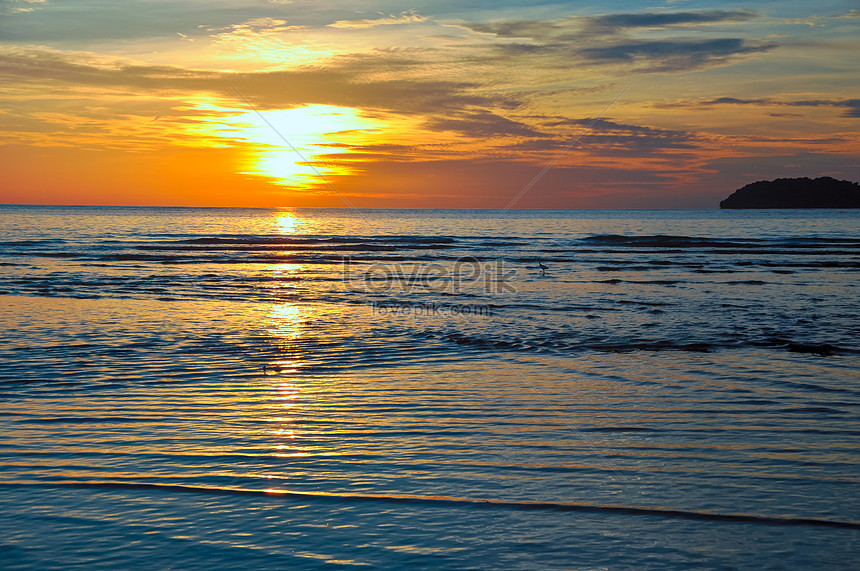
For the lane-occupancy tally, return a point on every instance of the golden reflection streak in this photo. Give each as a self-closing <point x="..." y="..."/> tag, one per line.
<point x="286" y="324"/>
<point x="286" y="222"/>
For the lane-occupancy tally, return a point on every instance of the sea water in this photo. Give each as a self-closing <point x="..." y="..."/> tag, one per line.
<point x="328" y="388"/>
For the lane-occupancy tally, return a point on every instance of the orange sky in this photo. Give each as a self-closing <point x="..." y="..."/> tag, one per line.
<point x="276" y="103"/>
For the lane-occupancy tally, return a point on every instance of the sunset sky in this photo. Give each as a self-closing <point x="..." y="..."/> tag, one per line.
<point x="443" y="104"/>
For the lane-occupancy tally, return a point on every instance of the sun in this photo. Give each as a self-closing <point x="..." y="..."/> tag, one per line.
<point x="290" y="146"/>
<point x="302" y="147"/>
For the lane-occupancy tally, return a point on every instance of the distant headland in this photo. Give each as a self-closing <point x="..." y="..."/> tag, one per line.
<point x="823" y="192"/>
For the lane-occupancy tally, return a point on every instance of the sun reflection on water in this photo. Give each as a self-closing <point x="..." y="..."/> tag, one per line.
<point x="286" y="222"/>
<point x="287" y="319"/>
<point x="286" y="325"/>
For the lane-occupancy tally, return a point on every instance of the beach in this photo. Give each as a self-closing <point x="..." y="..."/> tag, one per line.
<point x="321" y="388"/>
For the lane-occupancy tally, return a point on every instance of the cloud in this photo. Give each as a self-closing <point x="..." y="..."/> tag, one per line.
<point x="667" y="19"/>
<point x="607" y="138"/>
<point x="342" y="84"/>
<point x="408" y="17"/>
<point x="256" y="26"/>
<point x="850" y="14"/>
<point x="612" y="39"/>
<point x="493" y="182"/>
<point x="523" y="29"/>
<point x="578" y="27"/>
<point x="482" y="124"/>
<point x="438" y="106"/>
<point x="79" y="23"/>
<point x="852" y="106"/>
<point x="611" y="137"/>
<point x="19" y="6"/>
<point x="736" y="101"/>
<point x="78" y="83"/>
<point x="674" y="55"/>
<point x="606" y="125"/>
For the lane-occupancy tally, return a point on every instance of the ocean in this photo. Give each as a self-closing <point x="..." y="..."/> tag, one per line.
<point x="203" y="388"/>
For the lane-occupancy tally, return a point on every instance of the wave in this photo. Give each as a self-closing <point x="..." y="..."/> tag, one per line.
<point x="669" y="241"/>
<point x="243" y="249"/>
<point x="85" y="419"/>
<point x="496" y="343"/>
<point x="456" y="502"/>
<point x="607" y="344"/>
<point x="309" y="239"/>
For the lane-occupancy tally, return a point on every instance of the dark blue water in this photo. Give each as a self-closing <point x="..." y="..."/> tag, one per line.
<point x="250" y="388"/>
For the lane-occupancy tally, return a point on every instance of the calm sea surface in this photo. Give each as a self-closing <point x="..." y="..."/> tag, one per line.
<point x="303" y="389"/>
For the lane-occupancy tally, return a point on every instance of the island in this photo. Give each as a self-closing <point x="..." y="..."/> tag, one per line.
<point x="823" y="192"/>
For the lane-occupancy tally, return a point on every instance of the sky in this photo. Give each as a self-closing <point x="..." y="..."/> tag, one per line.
<point x="450" y="104"/>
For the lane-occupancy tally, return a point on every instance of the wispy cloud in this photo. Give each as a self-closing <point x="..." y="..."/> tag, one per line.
<point x="20" y="6"/>
<point x="481" y="124"/>
<point x="668" y="19"/>
<point x="577" y="27"/>
<point x="408" y="17"/>
<point x="612" y="39"/>
<point x="852" y="106"/>
<point x="676" y="55"/>
<point x="343" y="83"/>
<point x="849" y="14"/>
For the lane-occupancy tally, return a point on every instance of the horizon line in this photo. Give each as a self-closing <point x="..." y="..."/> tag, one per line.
<point x="13" y="204"/>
